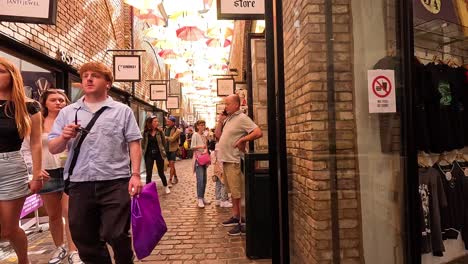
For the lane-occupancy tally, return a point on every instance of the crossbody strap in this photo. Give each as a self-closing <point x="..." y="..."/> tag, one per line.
<point x="84" y="133"/>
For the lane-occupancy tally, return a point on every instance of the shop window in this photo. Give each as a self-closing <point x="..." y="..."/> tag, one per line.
<point x="36" y="79"/>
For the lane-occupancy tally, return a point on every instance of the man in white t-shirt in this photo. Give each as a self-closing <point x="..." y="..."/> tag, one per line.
<point x="234" y="130"/>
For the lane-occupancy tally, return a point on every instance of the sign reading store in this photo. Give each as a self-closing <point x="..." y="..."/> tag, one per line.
<point x="241" y="9"/>
<point x="29" y="11"/>
<point x="127" y="68"/>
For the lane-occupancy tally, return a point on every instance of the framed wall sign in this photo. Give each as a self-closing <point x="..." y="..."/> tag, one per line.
<point x="35" y="12"/>
<point x="172" y="102"/>
<point x="241" y="9"/>
<point x="127" y="68"/>
<point x="174" y="87"/>
<point x="225" y="86"/>
<point x="158" y="91"/>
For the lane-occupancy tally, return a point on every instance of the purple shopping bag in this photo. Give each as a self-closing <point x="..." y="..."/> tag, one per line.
<point x="148" y="225"/>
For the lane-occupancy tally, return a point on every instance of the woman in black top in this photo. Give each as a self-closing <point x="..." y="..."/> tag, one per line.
<point x="19" y="117"/>
<point x="152" y="145"/>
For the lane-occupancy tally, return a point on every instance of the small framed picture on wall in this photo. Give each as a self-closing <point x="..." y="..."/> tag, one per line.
<point x="225" y="86"/>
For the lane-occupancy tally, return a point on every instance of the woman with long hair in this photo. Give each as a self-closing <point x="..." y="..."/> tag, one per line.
<point x="19" y="117"/>
<point x="52" y="193"/>
<point x="152" y="146"/>
<point x="199" y="146"/>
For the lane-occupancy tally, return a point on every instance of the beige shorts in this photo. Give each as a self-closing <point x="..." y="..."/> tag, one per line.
<point x="233" y="179"/>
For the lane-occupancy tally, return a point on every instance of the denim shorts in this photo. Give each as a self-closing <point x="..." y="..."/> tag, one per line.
<point x="13" y="176"/>
<point x="171" y="156"/>
<point x="55" y="183"/>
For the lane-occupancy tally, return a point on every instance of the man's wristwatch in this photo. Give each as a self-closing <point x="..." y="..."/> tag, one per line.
<point x="136" y="174"/>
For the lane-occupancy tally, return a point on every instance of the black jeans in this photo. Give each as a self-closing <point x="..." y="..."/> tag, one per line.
<point x="99" y="213"/>
<point x="149" y="162"/>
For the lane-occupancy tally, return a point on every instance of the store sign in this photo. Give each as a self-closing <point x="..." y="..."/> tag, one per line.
<point x="241" y="9"/>
<point x="428" y="10"/>
<point x="172" y="102"/>
<point x="31" y="204"/>
<point x="381" y="89"/>
<point x="29" y="11"/>
<point x="127" y="68"/>
<point x="158" y="92"/>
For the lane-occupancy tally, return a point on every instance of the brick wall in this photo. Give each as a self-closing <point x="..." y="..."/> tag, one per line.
<point x="307" y="132"/>
<point x="85" y="30"/>
<point x="238" y="54"/>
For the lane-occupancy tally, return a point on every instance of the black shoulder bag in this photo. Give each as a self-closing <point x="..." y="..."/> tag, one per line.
<point x="76" y="150"/>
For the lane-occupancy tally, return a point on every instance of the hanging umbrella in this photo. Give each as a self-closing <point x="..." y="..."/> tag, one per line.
<point x="163" y="44"/>
<point x="167" y="53"/>
<point x="150" y="16"/>
<point x="214" y="42"/>
<point x="190" y="33"/>
<point x="219" y="32"/>
<point x="143" y="4"/>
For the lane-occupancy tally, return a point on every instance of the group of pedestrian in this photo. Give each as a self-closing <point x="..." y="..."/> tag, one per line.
<point x="84" y="150"/>
<point x="85" y="163"/>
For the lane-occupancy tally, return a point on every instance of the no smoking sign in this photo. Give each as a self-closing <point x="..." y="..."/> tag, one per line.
<point x="381" y="91"/>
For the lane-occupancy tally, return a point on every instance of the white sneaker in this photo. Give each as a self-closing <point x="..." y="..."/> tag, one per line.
<point x="200" y="203"/>
<point x="167" y="189"/>
<point x="58" y="255"/>
<point x="206" y="202"/>
<point x="74" y="258"/>
<point x="225" y="204"/>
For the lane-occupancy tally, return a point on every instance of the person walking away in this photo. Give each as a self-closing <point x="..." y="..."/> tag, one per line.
<point x="19" y="117"/>
<point x="97" y="170"/>
<point x="172" y="144"/>
<point x="199" y="146"/>
<point x="182" y="150"/>
<point x="189" y="142"/>
<point x="222" y="197"/>
<point x="152" y="146"/>
<point x="55" y="200"/>
<point x="234" y="130"/>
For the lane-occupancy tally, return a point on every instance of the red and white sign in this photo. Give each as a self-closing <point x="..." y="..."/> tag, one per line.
<point x="381" y="88"/>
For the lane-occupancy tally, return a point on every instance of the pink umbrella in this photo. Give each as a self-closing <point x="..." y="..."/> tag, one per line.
<point x="150" y="17"/>
<point x="190" y="33"/>
<point x="214" y="42"/>
<point x="167" y="53"/>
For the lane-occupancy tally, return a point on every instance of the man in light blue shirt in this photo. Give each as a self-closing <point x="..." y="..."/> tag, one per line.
<point x="101" y="182"/>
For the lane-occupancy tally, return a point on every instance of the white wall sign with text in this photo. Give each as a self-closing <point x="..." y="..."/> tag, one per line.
<point x="381" y="89"/>
<point x="241" y="9"/>
<point x="127" y="68"/>
<point x="225" y="86"/>
<point x="28" y="11"/>
<point x="172" y="102"/>
<point x="158" y="92"/>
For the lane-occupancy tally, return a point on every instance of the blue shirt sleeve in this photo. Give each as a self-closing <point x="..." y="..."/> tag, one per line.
<point x="132" y="131"/>
<point x="58" y="126"/>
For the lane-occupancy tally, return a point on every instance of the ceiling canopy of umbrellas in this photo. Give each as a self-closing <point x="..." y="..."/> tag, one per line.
<point x="188" y="38"/>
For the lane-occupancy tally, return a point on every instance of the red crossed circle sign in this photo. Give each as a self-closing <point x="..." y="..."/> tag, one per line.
<point x="381" y="86"/>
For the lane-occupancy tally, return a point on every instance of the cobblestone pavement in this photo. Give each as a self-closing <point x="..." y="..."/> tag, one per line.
<point x="194" y="235"/>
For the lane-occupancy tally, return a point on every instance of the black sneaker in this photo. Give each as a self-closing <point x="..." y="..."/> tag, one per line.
<point x="236" y="231"/>
<point x="231" y="222"/>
